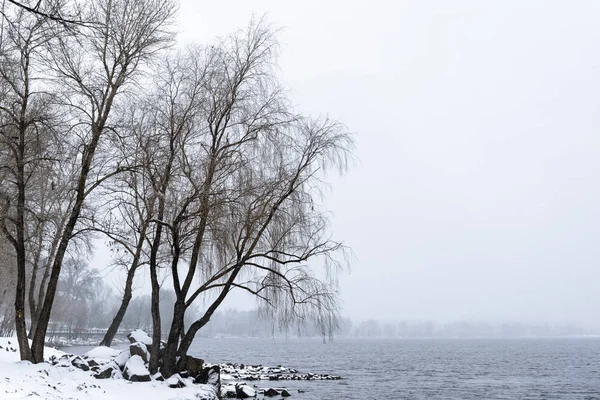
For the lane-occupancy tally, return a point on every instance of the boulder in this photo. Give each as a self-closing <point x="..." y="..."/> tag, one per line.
<point x="285" y="393"/>
<point x="64" y="361"/>
<point x="117" y="374"/>
<point x="271" y="392"/>
<point x="140" y="336"/>
<point x="228" y="391"/>
<point x="107" y="371"/>
<point x="158" y="377"/>
<point x="122" y="358"/>
<point x="244" y="391"/>
<point x="194" y="366"/>
<point x="92" y="363"/>
<point x="175" y="382"/>
<point x="135" y="370"/>
<point x="80" y="363"/>
<point x="139" y="349"/>
<point x="210" y="376"/>
<point x="102" y="354"/>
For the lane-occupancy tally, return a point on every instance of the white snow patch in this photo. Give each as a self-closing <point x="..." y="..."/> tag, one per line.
<point x="247" y="390"/>
<point x="102" y="354"/>
<point x="122" y="357"/>
<point x="141" y="337"/>
<point x="227" y="377"/>
<point x="135" y="366"/>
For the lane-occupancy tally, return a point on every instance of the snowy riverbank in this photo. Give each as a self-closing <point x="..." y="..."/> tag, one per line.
<point x="104" y="373"/>
<point x="23" y="380"/>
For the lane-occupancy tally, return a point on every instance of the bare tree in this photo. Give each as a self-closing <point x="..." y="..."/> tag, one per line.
<point x="92" y="67"/>
<point x="26" y="116"/>
<point x="51" y="10"/>
<point x="237" y="172"/>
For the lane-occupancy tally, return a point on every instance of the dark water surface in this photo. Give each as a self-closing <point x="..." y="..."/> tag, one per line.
<point x="424" y="369"/>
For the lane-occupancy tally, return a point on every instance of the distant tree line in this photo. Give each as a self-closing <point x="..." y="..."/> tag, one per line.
<point x="253" y="324"/>
<point x="458" y="329"/>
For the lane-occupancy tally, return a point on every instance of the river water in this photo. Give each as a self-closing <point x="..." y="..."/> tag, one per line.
<point x="424" y="369"/>
<point x="420" y="369"/>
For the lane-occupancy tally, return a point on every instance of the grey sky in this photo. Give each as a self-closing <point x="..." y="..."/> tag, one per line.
<point x="477" y="195"/>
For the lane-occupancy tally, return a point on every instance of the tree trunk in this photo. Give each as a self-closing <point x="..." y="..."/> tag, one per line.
<point x="33" y="312"/>
<point x="188" y="338"/>
<point x="128" y="294"/>
<point x="39" y="336"/>
<point x="155" y="306"/>
<point x="32" y="308"/>
<point x="43" y="283"/>
<point x="156" y="329"/>
<point x="116" y="322"/>
<point x="169" y="366"/>
<point x="20" y="323"/>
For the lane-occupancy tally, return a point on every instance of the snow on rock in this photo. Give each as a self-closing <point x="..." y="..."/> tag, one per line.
<point x="244" y="391"/>
<point x="102" y="354"/>
<point x="80" y="363"/>
<point x="63" y="361"/>
<point x="271" y="392"/>
<point x="228" y="391"/>
<point x="139" y="349"/>
<point x="122" y="358"/>
<point x="176" y="382"/>
<point x="140" y="336"/>
<point x="135" y="370"/>
<point x="258" y="372"/>
<point x="108" y="370"/>
<point x="158" y="377"/>
<point x="210" y="375"/>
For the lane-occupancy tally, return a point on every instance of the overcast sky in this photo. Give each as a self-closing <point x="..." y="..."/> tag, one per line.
<point x="477" y="193"/>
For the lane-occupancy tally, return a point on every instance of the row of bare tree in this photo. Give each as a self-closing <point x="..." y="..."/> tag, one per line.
<point x="192" y="164"/>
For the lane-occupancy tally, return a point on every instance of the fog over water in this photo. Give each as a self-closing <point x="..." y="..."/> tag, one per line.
<point x="477" y="191"/>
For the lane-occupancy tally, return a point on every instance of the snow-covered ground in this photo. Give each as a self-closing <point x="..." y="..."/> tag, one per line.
<point x="23" y="380"/>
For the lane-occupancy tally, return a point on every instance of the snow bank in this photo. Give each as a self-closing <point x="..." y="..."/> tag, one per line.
<point x="9" y="350"/>
<point x="23" y="380"/>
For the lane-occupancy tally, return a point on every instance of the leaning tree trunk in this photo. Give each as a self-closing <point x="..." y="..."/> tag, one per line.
<point x="39" y="336"/>
<point x="128" y="294"/>
<point x="178" y="359"/>
<point x="118" y="319"/>
<point x="45" y="277"/>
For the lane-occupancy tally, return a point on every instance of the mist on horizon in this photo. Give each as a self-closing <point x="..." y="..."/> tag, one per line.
<point x="475" y="195"/>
